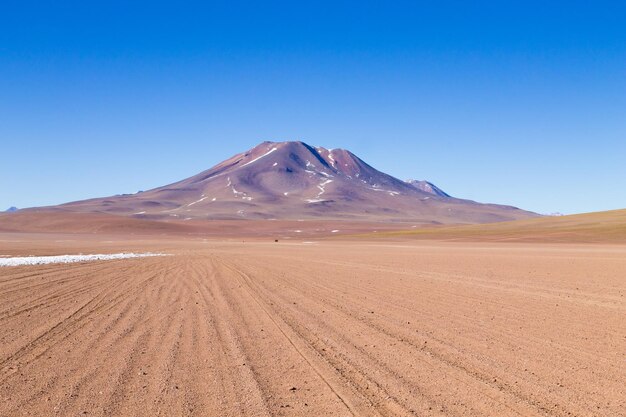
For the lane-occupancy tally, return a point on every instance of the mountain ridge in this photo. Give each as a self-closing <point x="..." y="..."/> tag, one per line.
<point x="292" y="180"/>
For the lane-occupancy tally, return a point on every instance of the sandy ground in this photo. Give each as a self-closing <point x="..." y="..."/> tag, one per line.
<point x="598" y="227"/>
<point x="326" y="328"/>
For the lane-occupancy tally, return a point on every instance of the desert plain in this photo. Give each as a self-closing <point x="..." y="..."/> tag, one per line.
<point x="318" y="326"/>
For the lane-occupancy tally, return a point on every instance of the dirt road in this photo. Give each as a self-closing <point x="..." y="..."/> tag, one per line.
<point x="353" y="328"/>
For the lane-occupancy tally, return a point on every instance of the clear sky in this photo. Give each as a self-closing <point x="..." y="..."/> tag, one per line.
<point x="515" y="102"/>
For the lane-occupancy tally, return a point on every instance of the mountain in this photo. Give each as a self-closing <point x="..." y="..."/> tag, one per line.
<point x="428" y="187"/>
<point x="11" y="209"/>
<point x="293" y="180"/>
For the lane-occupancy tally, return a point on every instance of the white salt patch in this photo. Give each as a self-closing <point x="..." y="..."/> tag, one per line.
<point x="68" y="259"/>
<point x="334" y="231"/>
<point x="141" y="212"/>
<point x="275" y="163"/>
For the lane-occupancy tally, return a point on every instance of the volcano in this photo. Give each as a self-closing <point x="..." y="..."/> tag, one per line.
<point x="293" y="180"/>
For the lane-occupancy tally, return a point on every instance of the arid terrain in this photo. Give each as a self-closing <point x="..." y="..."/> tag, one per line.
<point x="334" y="326"/>
<point x="312" y="209"/>
<point x="597" y="227"/>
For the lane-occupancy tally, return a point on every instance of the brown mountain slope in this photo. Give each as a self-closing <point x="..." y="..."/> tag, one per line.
<point x="292" y="180"/>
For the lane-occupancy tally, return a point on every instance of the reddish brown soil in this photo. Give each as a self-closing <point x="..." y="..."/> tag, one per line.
<point x="329" y="328"/>
<point x="51" y="221"/>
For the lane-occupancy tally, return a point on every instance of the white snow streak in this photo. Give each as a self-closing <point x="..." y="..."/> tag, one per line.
<point x="241" y="194"/>
<point x="330" y="156"/>
<point x="198" y="201"/>
<point x="68" y="259"/>
<point x="322" y="189"/>
<point x="262" y="156"/>
<point x="391" y="193"/>
<point x="322" y="185"/>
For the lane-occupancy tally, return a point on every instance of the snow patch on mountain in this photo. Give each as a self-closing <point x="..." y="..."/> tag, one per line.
<point x="241" y="194"/>
<point x="260" y="157"/>
<point x="427" y="187"/>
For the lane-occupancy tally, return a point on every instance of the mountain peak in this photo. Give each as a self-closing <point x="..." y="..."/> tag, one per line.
<point x="294" y="180"/>
<point x="427" y="187"/>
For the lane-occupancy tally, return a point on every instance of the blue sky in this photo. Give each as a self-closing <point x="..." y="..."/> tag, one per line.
<point x="517" y="102"/>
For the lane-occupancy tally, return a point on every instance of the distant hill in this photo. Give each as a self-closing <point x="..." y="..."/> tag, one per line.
<point x="428" y="187"/>
<point x="598" y="227"/>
